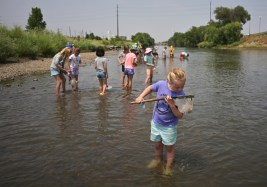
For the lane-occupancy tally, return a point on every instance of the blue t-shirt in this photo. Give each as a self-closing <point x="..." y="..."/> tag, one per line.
<point x="149" y="59"/>
<point x="162" y="113"/>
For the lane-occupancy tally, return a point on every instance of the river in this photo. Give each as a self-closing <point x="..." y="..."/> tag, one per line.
<point x="83" y="139"/>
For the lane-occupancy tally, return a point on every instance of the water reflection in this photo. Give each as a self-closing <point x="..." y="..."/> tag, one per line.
<point x="61" y="111"/>
<point x="83" y="139"/>
<point x="102" y="114"/>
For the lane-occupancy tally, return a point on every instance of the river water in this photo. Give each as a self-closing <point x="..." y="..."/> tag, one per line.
<point x="83" y="139"/>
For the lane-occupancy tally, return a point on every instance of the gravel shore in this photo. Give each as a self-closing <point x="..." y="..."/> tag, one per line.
<point x="10" y="71"/>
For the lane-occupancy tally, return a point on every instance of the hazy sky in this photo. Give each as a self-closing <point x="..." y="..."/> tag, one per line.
<point x="159" y="18"/>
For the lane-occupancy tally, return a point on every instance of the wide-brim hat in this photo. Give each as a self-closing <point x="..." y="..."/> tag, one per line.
<point x="148" y="50"/>
<point x="69" y="46"/>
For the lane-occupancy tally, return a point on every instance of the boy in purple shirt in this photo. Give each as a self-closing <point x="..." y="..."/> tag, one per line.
<point x="165" y="116"/>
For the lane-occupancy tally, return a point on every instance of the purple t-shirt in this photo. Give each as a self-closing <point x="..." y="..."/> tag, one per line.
<point x="162" y="113"/>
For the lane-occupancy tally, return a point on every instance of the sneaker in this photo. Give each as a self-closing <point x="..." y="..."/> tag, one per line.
<point x="153" y="164"/>
<point x="167" y="172"/>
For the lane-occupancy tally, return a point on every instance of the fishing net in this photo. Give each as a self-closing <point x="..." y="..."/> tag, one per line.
<point x="185" y="105"/>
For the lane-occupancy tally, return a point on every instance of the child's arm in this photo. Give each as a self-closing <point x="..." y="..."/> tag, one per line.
<point x="150" y="64"/>
<point x="69" y="61"/>
<point x="143" y="94"/>
<point x="173" y="107"/>
<point x="95" y="66"/>
<point x="119" y="60"/>
<point x="106" y="69"/>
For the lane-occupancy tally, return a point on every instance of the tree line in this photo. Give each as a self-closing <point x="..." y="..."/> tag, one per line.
<point x="226" y="30"/>
<point x="37" y="41"/>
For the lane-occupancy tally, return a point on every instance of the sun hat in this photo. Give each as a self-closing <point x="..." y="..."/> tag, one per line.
<point x="134" y="47"/>
<point x="69" y="46"/>
<point x="148" y="50"/>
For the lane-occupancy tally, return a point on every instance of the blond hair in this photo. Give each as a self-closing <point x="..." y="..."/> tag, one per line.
<point x="65" y="52"/>
<point x="176" y="74"/>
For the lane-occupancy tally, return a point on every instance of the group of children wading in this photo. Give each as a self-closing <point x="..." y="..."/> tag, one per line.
<point x="166" y="113"/>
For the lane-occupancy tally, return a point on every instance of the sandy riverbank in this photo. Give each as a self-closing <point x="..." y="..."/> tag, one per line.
<point x="26" y="66"/>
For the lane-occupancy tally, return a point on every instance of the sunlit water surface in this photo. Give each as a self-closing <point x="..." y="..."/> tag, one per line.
<point x="83" y="139"/>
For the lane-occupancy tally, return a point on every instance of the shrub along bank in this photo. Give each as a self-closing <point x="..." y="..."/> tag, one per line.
<point x="17" y="43"/>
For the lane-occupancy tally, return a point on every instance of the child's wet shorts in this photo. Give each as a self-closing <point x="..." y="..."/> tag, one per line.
<point x="54" y="71"/>
<point x="75" y="71"/>
<point x="166" y="134"/>
<point x="128" y="71"/>
<point x="122" y="68"/>
<point x="101" y="74"/>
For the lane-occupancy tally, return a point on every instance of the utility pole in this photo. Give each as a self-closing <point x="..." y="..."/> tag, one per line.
<point x="260" y="24"/>
<point x="210" y="11"/>
<point x="70" y="31"/>
<point x="249" y="28"/>
<point x="117" y="20"/>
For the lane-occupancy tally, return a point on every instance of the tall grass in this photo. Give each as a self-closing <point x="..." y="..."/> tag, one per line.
<point x="18" y="43"/>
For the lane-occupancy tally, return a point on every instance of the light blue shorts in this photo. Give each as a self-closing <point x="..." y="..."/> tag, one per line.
<point x="101" y="74"/>
<point x="167" y="135"/>
<point x="54" y="72"/>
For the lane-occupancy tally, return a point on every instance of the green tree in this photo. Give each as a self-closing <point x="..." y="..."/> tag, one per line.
<point x="213" y="35"/>
<point x="177" y="40"/>
<point x="240" y="15"/>
<point x="90" y="36"/>
<point x="226" y="15"/>
<point x="144" y="38"/>
<point x="232" y="32"/>
<point x="35" y="20"/>
<point x="223" y="15"/>
<point x="194" y="36"/>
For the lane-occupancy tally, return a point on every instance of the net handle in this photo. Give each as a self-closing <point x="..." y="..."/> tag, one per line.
<point x="162" y="98"/>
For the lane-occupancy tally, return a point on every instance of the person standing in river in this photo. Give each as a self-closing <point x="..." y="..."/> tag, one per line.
<point x="165" y="117"/>
<point x="130" y="63"/>
<point x="57" y="68"/>
<point x="73" y="65"/>
<point x="171" y="52"/>
<point x="121" y="60"/>
<point x="149" y="61"/>
<point x="101" y="68"/>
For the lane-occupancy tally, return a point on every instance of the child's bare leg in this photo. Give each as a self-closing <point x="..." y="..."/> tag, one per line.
<point x="76" y="77"/>
<point x="158" y="156"/>
<point x="100" y="86"/>
<point x="151" y="77"/>
<point x="104" y="87"/>
<point x="159" y="151"/>
<point x="148" y="80"/>
<point x="58" y="84"/>
<point x="127" y="83"/>
<point x="130" y="82"/>
<point x="63" y="81"/>
<point x="122" y="79"/>
<point x="148" y="77"/>
<point x="170" y="159"/>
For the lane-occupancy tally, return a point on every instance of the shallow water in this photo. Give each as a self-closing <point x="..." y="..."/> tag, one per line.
<point x="83" y="139"/>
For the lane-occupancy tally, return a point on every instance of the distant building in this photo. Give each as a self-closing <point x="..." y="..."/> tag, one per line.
<point x="123" y="37"/>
